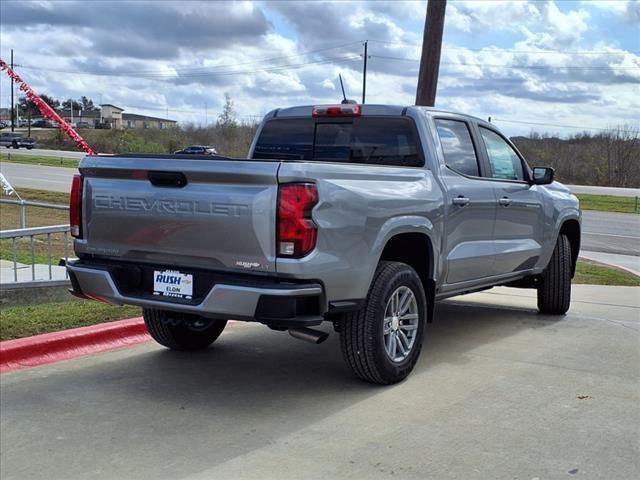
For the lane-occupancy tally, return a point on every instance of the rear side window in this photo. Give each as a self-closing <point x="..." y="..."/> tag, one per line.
<point x="504" y="161"/>
<point x="379" y="141"/>
<point x="457" y="146"/>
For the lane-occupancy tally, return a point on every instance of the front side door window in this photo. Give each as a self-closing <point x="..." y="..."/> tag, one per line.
<point x="504" y="161"/>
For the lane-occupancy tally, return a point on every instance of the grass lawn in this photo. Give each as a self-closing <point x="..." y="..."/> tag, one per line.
<point x="39" y="160"/>
<point x="36" y="217"/>
<point x="607" y="203"/>
<point x="24" y="321"/>
<point x="594" y="273"/>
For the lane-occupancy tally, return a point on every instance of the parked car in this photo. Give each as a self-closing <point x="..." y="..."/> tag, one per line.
<point x="16" y="140"/>
<point x="103" y="126"/>
<point x="360" y="216"/>
<point x="44" y="123"/>
<point x="197" y="150"/>
<point x="83" y="125"/>
<point x="3" y="125"/>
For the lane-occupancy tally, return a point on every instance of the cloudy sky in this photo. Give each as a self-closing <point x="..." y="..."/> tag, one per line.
<point x="573" y="63"/>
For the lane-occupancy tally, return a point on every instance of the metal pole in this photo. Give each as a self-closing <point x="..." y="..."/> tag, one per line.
<point x="33" y="260"/>
<point x="13" y="112"/>
<point x="15" y="260"/>
<point x="23" y="214"/>
<point x="364" y="73"/>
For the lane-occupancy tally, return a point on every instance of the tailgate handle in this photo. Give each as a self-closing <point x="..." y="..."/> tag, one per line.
<point x="167" y="179"/>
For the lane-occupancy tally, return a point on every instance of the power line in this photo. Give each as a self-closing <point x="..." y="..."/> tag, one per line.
<point x="202" y="74"/>
<point x="599" y="67"/>
<point x="562" y="126"/>
<point x="214" y="69"/>
<point x="179" y="110"/>
<point x="498" y="49"/>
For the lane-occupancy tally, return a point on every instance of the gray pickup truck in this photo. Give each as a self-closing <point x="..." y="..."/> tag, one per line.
<point x="360" y="215"/>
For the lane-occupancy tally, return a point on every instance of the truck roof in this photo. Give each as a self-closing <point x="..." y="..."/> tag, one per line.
<point x="368" y="109"/>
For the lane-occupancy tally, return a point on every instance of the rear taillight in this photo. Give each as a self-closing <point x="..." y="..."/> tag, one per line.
<point x="296" y="230"/>
<point x="344" y="110"/>
<point x="75" y="206"/>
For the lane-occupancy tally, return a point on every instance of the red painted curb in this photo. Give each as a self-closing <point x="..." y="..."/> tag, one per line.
<point x="67" y="344"/>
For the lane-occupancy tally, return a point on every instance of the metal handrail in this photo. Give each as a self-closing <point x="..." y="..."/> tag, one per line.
<point x="31" y="233"/>
<point x="23" y="204"/>
<point x="28" y="232"/>
<point x="29" y="203"/>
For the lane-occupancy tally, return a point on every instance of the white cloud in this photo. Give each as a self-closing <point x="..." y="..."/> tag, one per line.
<point x="195" y="67"/>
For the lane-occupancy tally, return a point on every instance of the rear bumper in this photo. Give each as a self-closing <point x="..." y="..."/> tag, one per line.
<point x="265" y="301"/>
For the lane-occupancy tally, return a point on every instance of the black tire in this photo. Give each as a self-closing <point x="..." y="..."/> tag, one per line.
<point x="362" y="332"/>
<point x="554" y="290"/>
<point x="181" y="331"/>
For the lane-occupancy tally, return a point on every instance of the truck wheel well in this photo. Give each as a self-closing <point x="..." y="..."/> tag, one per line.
<point x="571" y="228"/>
<point x="414" y="249"/>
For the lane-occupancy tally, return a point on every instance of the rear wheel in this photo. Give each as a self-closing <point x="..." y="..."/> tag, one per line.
<point x="554" y="290"/>
<point x="181" y="331"/>
<point x="382" y="341"/>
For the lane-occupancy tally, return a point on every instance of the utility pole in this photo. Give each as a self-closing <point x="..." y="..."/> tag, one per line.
<point x="13" y="111"/>
<point x="364" y="72"/>
<point x="431" y="47"/>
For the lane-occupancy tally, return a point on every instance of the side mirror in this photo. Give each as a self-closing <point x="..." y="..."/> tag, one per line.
<point x="542" y="175"/>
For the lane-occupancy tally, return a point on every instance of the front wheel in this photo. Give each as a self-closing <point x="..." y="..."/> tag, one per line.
<point x="554" y="290"/>
<point x="382" y="341"/>
<point x="182" y="331"/>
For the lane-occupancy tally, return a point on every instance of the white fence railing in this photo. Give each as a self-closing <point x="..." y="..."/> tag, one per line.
<point x="30" y="238"/>
<point x="28" y="203"/>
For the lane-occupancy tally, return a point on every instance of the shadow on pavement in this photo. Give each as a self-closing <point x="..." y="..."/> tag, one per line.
<point x="182" y="412"/>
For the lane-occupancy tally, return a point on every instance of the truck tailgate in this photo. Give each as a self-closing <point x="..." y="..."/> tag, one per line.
<point x="223" y="217"/>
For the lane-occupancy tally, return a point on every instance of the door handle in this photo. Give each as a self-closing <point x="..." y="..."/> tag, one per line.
<point x="505" y="201"/>
<point x="460" y="201"/>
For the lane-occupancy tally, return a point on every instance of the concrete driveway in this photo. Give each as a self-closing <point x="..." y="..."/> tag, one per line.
<point x="500" y="392"/>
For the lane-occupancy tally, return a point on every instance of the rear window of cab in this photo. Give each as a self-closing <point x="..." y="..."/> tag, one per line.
<point x="368" y="140"/>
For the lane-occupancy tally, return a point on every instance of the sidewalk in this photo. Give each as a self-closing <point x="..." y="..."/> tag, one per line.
<point x="25" y="274"/>
<point x="629" y="263"/>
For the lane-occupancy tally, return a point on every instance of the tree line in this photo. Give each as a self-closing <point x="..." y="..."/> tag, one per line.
<point x="609" y="158"/>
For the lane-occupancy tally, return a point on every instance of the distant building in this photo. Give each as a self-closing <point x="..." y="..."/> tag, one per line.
<point x="85" y="116"/>
<point x="115" y="116"/>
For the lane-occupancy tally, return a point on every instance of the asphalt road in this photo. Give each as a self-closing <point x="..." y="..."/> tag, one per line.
<point x="56" y="179"/>
<point x="615" y="191"/>
<point x="499" y="392"/>
<point x="26" y="173"/>
<point x="603" y="232"/>
<point x="42" y="152"/>
<point x="611" y="232"/>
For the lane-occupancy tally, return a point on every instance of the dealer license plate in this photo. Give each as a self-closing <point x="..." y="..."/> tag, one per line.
<point x="171" y="283"/>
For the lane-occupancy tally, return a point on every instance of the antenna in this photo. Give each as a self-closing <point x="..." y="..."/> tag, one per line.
<point x="344" y="95"/>
<point x="345" y="100"/>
